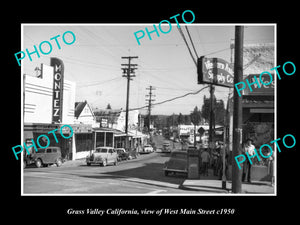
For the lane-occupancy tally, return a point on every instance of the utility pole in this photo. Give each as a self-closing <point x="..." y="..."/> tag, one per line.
<point x="149" y="102"/>
<point x="211" y="116"/>
<point x="128" y="72"/>
<point x="237" y="110"/>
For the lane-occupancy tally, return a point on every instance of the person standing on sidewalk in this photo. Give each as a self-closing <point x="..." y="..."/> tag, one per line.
<point x="249" y="148"/>
<point x="205" y="157"/>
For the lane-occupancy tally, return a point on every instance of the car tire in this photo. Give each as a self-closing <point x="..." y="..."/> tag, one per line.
<point x="58" y="162"/>
<point x="38" y="163"/>
<point x="88" y="164"/>
<point x="116" y="162"/>
<point x="24" y="164"/>
<point x="166" y="173"/>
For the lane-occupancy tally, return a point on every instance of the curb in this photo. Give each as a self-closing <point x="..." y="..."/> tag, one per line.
<point x="204" y="188"/>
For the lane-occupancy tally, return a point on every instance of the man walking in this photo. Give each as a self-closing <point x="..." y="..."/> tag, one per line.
<point x="249" y="148"/>
<point x="205" y="157"/>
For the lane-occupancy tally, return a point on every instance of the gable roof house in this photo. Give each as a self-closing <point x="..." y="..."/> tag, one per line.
<point x="84" y="114"/>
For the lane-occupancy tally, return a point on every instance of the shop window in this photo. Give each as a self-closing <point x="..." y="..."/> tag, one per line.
<point x="83" y="142"/>
<point x="100" y="139"/>
<point x="109" y="139"/>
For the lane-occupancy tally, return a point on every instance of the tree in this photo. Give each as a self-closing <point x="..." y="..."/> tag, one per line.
<point x="180" y="119"/>
<point x="196" y="116"/>
<point x="219" y="110"/>
<point x="187" y="119"/>
<point x="108" y="106"/>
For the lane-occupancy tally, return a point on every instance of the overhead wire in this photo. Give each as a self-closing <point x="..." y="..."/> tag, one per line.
<point x="171" y="99"/>
<point x="187" y="30"/>
<point x="188" y="47"/>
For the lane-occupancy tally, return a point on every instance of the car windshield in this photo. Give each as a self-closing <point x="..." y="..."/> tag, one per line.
<point x="101" y="150"/>
<point x="41" y="150"/>
<point x="179" y="155"/>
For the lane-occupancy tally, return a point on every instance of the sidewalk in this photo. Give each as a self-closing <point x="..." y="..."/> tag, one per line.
<point x="215" y="186"/>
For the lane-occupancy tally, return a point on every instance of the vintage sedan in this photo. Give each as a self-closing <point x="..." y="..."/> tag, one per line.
<point x="103" y="156"/>
<point x="177" y="163"/>
<point x="122" y="154"/>
<point x="44" y="156"/>
<point x="166" y="147"/>
<point x="147" y="149"/>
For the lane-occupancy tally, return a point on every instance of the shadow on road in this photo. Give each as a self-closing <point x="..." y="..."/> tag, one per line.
<point x="149" y="171"/>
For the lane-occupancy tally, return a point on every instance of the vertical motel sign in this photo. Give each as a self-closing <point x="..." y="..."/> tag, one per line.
<point x="58" y="82"/>
<point x="214" y="71"/>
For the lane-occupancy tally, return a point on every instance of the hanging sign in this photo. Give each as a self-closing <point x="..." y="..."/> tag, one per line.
<point x="58" y="83"/>
<point x="214" y="71"/>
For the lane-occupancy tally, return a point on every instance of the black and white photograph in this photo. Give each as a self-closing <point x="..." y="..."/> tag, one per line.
<point x="132" y="112"/>
<point x="127" y="109"/>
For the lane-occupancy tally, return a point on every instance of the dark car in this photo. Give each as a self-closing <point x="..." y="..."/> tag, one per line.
<point x="47" y="156"/>
<point x="122" y="154"/>
<point x="177" y="163"/>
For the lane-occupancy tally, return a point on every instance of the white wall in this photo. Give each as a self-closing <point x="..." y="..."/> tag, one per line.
<point x="38" y="98"/>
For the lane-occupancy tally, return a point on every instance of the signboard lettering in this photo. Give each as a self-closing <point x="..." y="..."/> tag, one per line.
<point x="215" y="71"/>
<point x="58" y="83"/>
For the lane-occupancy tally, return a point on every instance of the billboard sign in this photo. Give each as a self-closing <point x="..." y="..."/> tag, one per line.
<point x="215" y="71"/>
<point x="58" y="83"/>
<point x="259" y="88"/>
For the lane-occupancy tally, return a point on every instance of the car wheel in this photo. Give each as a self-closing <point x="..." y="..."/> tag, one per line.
<point x="116" y="162"/>
<point x="38" y="163"/>
<point x="104" y="162"/>
<point x="58" y="162"/>
<point x="166" y="173"/>
<point x="88" y="164"/>
<point x="24" y="164"/>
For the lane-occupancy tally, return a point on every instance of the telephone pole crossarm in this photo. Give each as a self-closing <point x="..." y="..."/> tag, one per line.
<point x="128" y="72"/>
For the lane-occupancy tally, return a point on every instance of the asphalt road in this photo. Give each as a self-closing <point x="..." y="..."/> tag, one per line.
<point x="143" y="175"/>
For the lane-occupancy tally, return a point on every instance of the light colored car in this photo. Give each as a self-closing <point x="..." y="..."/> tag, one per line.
<point x="177" y="163"/>
<point x="103" y="156"/>
<point x="147" y="149"/>
<point x="166" y="147"/>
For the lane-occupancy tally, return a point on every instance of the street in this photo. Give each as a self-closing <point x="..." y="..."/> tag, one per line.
<point x="143" y="175"/>
<point x="138" y="176"/>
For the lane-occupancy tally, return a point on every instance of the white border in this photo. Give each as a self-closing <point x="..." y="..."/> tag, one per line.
<point x="146" y="24"/>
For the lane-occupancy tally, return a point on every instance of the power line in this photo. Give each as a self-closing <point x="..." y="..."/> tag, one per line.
<point x="187" y="30"/>
<point x="221" y="50"/>
<point x="172" y="99"/>
<point x="98" y="83"/>
<point x="182" y="35"/>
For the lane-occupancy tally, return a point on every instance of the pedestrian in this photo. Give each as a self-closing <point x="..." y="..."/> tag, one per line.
<point x="248" y="148"/>
<point x="205" y="158"/>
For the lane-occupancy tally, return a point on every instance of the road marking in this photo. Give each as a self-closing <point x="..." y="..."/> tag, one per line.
<point x="151" y="182"/>
<point x="156" y="192"/>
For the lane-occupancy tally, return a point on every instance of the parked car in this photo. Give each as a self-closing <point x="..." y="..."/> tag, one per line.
<point x="166" y="147"/>
<point x="45" y="156"/>
<point x="133" y="154"/>
<point x="103" y="156"/>
<point x="177" y="163"/>
<point x="147" y="149"/>
<point x="122" y="154"/>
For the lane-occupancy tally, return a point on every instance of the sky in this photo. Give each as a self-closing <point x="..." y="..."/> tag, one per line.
<point x="94" y="61"/>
